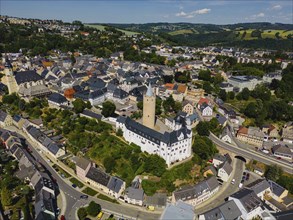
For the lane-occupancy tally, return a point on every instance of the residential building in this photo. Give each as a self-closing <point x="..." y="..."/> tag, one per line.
<point x="225" y="170"/>
<point x="241" y="82"/>
<point x="206" y="110"/>
<point x="226" y="135"/>
<point x="82" y="167"/>
<point x="134" y="196"/>
<point x="287" y="132"/>
<point x="196" y="194"/>
<point x="227" y="211"/>
<point x="251" y="135"/>
<point x="261" y="187"/>
<point x="282" y="151"/>
<point x="57" y="100"/>
<point x="187" y="107"/>
<point x="5" y="119"/>
<point x="248" y="203"/>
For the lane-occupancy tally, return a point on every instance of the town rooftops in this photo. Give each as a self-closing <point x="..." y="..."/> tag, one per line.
<point x="27" y="76"/>
<point x="227" y="211"/>
<point x="282" y="150"/>
<point x="115" y="184"/>
<point x="248" y="198"/>
<point x="98" y="176"/>
<point x="259" y="185"/>
<point x="134" y="193"/>
<point x="57" y="98"/>
<point x="276" y="188"/>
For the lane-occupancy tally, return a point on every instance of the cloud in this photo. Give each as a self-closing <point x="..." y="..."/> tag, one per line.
<point x="256" y="16"/>
<point x="202" y="11"/>
<point x="193" y="13"/>
<point x="276" y="7"/>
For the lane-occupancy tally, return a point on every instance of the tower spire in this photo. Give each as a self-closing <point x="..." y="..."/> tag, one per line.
<point x="149" y="92"/>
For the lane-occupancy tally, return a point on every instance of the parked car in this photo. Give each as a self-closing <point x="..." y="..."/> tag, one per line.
<point x="74" y="185"/>
<point x="62" y="217"/>
<point x="240" y="185"/>
<point x="233" y="182"/>
<point x="84" y="196"/>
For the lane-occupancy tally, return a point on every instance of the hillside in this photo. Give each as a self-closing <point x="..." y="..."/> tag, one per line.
<point x="256" y="35"/>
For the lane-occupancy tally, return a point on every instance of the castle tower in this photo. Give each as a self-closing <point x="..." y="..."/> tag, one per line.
<point x="149" y="108"/>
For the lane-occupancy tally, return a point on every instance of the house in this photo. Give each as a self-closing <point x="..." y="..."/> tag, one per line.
<point x="221" y="120"/>
<point x="227" y="211"/>
<point x="206" y="110"/>
<point x="5" y="119"/>
<point x="218" y="159"/>
<point x="91" y="115"/>
<point x="270" y="130"/>
<point x="282" y="151"/>
<point x="18" y="121"/>
<point x="187" y="107"/>
<point x="248" y="203"/>
<point x="202" y="101"/>
<point x="82" y="167"/>
<point x="251" y="135"/>
<point x="57" y="100"/>
<point x="178" y="211"/>
<point x="278" y="192"/>
<point x="241" y="82"/>
<point x="156" y="200"/>
<point x="109" y="184"/>
<point x="287" y="132"/>
<point x="225" y="170"/>
<point x="134" y="196"/>
<point x="226" y="135"/>
<point x="261" y="187"/>
<point x="96" y="97"/>
<point x="198" y="193"/>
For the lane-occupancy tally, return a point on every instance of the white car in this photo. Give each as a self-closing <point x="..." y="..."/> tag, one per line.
<point x="240" y="185"/>
<point x="233" y="182"/>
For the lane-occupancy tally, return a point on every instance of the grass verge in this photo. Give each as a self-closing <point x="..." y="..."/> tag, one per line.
<point x="103" y="197"/>
<point x="76" y="182"/>
<point x="89" y="191"/>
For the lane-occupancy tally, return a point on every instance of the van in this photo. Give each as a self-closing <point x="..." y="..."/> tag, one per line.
<point x="100" y="215"/>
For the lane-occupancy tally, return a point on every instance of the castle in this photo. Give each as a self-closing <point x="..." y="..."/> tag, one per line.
<point x="172" y="146"/>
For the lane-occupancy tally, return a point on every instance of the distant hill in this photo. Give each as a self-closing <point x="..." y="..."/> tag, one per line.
<point x="256" y="35"/>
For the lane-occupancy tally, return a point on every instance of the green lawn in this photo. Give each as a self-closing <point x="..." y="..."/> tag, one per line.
<point x="102" y="28"/>
<point x="106" y="198"/>
<point x="76" y="182"/>
<point x="89" y="191"/>
<point x="183" y="31"/>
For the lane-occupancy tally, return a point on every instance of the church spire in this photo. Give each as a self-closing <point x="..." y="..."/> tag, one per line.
<point x="149" y="92"/>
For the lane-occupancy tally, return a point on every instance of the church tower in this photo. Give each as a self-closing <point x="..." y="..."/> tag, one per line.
<point x="149" y="108"/>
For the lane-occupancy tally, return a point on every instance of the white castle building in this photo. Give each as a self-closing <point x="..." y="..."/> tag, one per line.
<point x="172" y="146"/>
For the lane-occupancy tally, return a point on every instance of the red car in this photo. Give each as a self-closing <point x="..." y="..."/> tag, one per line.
<point x="62" y="217"/>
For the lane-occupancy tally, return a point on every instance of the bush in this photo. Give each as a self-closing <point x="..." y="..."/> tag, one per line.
<point x="93" y="209"/>
<point x="82" y="213"/>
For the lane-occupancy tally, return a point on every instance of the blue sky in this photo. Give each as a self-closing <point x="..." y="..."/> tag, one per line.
<point x="144" y="11"/>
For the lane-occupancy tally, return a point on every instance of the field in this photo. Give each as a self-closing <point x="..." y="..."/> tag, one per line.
<point x="183" y="31"/>
<point x="102" y="28"/>
<point x="265" y="34"/>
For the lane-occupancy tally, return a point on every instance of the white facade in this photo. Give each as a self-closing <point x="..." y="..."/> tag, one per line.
<point x="247" y="215"/>
<point x="223" y="174"/>
<point x="207" y="111"/>
<point x="171" y="153"/>
<point x="227" y="138"/>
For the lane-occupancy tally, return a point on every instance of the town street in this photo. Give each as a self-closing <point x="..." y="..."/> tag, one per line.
<point x="72" y="195"/>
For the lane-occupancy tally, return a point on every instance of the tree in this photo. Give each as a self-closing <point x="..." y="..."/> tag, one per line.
<point x="169" y="104"/>
<point x="231" y="95"/>
<point x="207" y="87"/>
<point x="218" y="79"/>
<point x="108" y="109"/>
<point x="119" y="132"/>
<point x="93" y="209"/>
<point x="139" y="105"/>
<point x="273" y="172"/>
<point x="203" y="128"/>
<point x="204" y="147"/>
<point x="245" y="93"/>
<point x="205" y="75"/>
<point x="155" y="165"/>
<point x="6" y="197"/>
<point x="223" y="95"/>
<point x="78" y="105"/>
<point x="82" y="213"/>
<point x="109" y="164"/>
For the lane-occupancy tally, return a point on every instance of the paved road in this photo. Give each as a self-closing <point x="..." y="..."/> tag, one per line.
<point x="72" y="195"/>
<point x="252" y="154"/>
<point x="226" y="189"/>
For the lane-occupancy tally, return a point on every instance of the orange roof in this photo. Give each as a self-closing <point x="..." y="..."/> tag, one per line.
<point x="169" y="86"/>
<point x="243" y="130"/>
<point x="203" y="100"/>
<point x="181" y="88"/>
<point x="47" y="63"/>
<point x="68" y="93"/>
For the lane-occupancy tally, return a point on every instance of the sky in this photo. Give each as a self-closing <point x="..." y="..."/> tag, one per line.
<point x="145" y="11"/>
